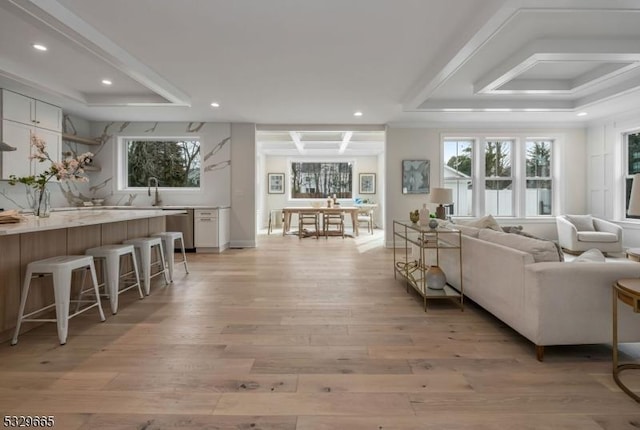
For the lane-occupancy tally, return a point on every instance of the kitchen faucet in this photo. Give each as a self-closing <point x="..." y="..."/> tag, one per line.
<point x="156" y="198"/>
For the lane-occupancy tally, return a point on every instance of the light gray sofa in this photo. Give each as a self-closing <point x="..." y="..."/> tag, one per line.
<point x="549" y="303"/>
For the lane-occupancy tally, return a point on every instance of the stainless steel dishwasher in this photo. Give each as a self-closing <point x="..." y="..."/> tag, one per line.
<point x="183" y="223"/>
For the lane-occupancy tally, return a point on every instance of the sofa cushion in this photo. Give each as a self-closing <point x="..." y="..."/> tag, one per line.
<point x="467" y="230"/>
<point x="485" y="222"/>
<point x="581" y="222"/>
<point x="540" y="250"/>
<point x="593" y="255"/>
<point x="597" y="236"/>
<point x="555" y="243"/>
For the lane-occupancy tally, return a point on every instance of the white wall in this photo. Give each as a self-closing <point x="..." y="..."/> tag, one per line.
<point x="243" y="185"/>
<point x="425" y="143"/>
<point x="280" y="164"/>
<point x="215" y="158"/>
<point x="606" y="172"/>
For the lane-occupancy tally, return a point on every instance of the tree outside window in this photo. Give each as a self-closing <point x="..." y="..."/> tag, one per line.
<point x="174" y="162"/>
<point x="314" y="180"/>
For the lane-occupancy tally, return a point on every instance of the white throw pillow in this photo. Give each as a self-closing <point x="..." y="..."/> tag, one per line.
<point x="591" y="256"/>
<point x="467" y="230"/>
<point x="581" y="222"/>
<point x="540" y="250"/>
<point x="485" y="222"/>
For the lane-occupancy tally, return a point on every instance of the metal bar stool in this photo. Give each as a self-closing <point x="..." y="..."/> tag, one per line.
<point x="60" y="269"/>
<point x="168" y="242"/>
<point x="144" y="246"/>
<point x="109" y="256"/>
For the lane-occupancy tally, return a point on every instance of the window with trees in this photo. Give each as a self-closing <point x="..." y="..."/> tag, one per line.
<point x="498" y="183"/>
<point x="538" y="197"/>
<point x="458" y="175"/>
<point x="503" y="176"/>
<point x="313" y="180"/>
<point x="174" y="162"/>
<point x="633" y="165"/>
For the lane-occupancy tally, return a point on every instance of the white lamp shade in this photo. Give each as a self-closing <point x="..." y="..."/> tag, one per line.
<point x="634" y="199"/>
<point x="444" y="196"/>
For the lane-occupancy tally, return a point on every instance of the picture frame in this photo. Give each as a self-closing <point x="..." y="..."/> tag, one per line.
<point x="367" y="183"/>
<point x="275" y="183"/>
<point x="415" y="176"/>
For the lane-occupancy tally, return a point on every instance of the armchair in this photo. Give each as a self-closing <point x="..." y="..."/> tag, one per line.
<point x="578" y="233"/>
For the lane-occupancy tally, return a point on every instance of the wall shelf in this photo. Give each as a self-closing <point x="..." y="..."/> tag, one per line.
<point x="80" y="139"/>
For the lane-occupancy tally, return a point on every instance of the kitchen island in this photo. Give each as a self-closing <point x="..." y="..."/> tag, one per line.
<point x="63" y="233"/>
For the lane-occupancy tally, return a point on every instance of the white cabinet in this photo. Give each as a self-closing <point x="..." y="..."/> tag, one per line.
<point x="25" y="110"/>
<point x="22" y="118"/>
<point x="211" y="230"/>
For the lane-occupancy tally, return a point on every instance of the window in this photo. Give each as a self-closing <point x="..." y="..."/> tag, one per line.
<point x="457" y="174"/>
<point x="498" y="185"/>
<point x="538" y="177"/>
<point x="509" y="177"/>
<point x="314" y="180"/>
<point x="175" y="162"/>
<point x="633" y="165"/>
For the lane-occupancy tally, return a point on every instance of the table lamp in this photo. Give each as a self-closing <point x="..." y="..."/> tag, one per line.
<point x="634" y="198"/>
<point x="443" y="196"/>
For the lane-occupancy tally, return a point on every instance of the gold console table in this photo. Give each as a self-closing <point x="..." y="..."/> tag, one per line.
<point x="419" y="247"/>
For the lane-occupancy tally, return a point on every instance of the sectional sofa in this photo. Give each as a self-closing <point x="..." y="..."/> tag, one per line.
<point x="523" y="282"/>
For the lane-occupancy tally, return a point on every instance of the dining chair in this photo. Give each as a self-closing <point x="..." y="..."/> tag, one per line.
<point x="308" y="219"/>
<point x="365" y="215"/>
<point x="333" y="218"/>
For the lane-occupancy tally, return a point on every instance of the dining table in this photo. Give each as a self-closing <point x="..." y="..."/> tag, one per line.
<point x="288" y="211"/>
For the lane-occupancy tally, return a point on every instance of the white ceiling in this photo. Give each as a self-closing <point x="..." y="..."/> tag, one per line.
<point x="317" y="62"/>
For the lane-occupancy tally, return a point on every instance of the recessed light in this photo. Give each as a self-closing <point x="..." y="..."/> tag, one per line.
<point x="39" y="47"/>
<point x="106" y="82"/>
<point x="358" y="113"/>
<point x="214" y="104"/>
<point x="582" y="114"/>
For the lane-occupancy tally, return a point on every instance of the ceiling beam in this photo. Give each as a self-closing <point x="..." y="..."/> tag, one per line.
<point x="295" y="136"/>
<point x="346" y="138"/>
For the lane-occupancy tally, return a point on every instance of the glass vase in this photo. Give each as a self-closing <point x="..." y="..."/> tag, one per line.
<point x="41" y="203"/>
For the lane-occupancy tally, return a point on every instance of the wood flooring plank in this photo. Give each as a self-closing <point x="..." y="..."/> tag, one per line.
<point x="180" y="422"/>
<point x="313" y="404"/>
<point x="435" y="382"/>
<point x="439" y="421"/>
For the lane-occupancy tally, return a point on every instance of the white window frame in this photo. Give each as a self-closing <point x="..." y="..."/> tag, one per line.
<point x="514" y="168"/>
<point x="474" y="168"/>
<point x="122" y="163"/>
<point x="625" y="172"/>
<point x="518" y="171"/>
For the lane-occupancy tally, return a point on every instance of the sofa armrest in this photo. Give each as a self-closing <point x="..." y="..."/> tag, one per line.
<point x="608" y="227"/>
<point x="570" y="303"/>
<point x="567" y="233"/>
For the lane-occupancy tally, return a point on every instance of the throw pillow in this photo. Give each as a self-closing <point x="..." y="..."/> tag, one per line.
<point x="555" y="243"/>
<point x="512" y="228"/>
<point x="593" y="255"/>
<point x="540" y="250"/>
<point x="467" y="230"/>
<point x="581" y="222"/>
<point x="485" y="222"/>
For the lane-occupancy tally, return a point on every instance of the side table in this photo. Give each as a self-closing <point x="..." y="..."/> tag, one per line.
<point x="633" y="254"/>
<point x="628" y="292"/>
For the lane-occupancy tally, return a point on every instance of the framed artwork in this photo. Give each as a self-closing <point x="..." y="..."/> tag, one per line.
<point x="276" y="183"/>
<point x="415" y="176"/>
<point x="367" y="183"/>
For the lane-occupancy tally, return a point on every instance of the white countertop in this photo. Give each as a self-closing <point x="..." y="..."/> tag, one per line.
<point x="77" y="218"/>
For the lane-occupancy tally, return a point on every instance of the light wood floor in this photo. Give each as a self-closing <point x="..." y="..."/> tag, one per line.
<point x="310" y="335"/>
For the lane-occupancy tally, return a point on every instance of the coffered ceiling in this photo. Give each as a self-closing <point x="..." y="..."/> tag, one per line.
<point x="318" y="62"/>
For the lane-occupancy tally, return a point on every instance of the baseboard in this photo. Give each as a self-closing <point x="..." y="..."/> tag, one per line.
<point x="243" y="244"/>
